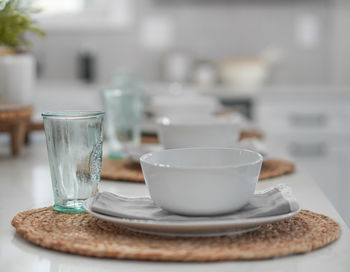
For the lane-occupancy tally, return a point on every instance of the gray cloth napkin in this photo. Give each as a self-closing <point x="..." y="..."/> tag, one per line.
<point x="276" y="200"/>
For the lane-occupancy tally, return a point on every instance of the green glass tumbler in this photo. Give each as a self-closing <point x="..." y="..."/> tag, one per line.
<point x="124" y="109"/>
<point x="74" y="145"/>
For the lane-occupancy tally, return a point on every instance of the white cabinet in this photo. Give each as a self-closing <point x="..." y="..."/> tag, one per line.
<point x="315" y="130"/>
<point x="304" y="113"/>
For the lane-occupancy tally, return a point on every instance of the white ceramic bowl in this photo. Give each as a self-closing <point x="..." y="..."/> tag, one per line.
<point x="195" y="131"/>
<point x="201" y="181"/>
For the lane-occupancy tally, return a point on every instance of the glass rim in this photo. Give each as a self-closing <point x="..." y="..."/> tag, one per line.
<point x="71" y="114"/>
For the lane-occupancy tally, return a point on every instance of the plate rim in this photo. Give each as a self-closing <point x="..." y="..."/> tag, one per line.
<point x="189" y="224"/>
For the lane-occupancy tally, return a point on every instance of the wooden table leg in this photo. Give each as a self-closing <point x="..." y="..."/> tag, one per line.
<point x="18" y="132"/>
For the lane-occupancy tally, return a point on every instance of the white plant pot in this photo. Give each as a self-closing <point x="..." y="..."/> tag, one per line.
<point x="17" y="76"/>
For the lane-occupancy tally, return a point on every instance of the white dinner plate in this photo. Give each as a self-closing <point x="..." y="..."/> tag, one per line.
<point x="207" y="228"/>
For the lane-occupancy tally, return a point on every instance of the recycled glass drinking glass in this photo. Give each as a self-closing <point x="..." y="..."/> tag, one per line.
<point x="74" y="145"/>
<point x="123" y="119"/>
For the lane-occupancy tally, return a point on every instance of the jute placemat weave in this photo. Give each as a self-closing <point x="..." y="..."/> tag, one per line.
<point x="275" y="168"/>
<point x="251" y="134"/>
<point x="120" y="169"/>
<point x="86" y="235"/>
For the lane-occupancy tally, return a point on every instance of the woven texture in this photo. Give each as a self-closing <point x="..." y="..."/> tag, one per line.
<point x="117" y="169"/>
<point x="275" y="168"/>
<point x="251" y="134"/>
<point x="84" y="234"/>
<point x="153" y="139"/>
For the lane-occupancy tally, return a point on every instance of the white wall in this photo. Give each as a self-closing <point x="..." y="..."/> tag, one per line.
<point x="214" y="30"/>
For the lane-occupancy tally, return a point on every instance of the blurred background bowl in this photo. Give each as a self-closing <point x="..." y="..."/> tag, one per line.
<point x="198" y="131"/>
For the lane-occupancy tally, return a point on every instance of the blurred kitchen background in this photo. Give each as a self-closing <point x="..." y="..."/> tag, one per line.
<point x="284" y="64"/>
<point x="308" y="39"/>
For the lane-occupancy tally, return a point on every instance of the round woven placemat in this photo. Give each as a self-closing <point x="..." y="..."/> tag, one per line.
<point x="119" y="169"/>
<point x="153" y="139"/>
<point x="84" y="234"/>
<point x="251" y="134"/>
<point x="275" y="168"/>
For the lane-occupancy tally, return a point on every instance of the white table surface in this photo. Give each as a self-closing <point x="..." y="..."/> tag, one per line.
<point x="25" y="184"/>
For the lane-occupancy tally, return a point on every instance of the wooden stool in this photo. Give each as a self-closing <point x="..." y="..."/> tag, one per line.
<point x="14" y="119"/>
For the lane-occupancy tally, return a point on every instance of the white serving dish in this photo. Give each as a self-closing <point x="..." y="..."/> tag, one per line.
<point x="205" y="228"/>
<point x="201" y="181"/>
<point x="198" y="131"/>
<point x="172" y="105"/>
<point x="244" y="74"/>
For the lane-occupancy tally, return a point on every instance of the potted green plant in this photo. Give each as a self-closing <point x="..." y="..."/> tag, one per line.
<point x="17" y="64"/>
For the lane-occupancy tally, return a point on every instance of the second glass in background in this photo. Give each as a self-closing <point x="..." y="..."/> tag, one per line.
<point x="124" y="111"/>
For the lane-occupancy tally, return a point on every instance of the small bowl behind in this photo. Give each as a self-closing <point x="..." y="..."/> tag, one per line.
<point x="198" y="131"/>
<point x="201" y="181"/>
<point x="173" y="105"/>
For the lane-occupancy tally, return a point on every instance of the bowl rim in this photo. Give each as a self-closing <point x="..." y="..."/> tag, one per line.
<point x="214" y="121"/>
<point x="143" y="159"/>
